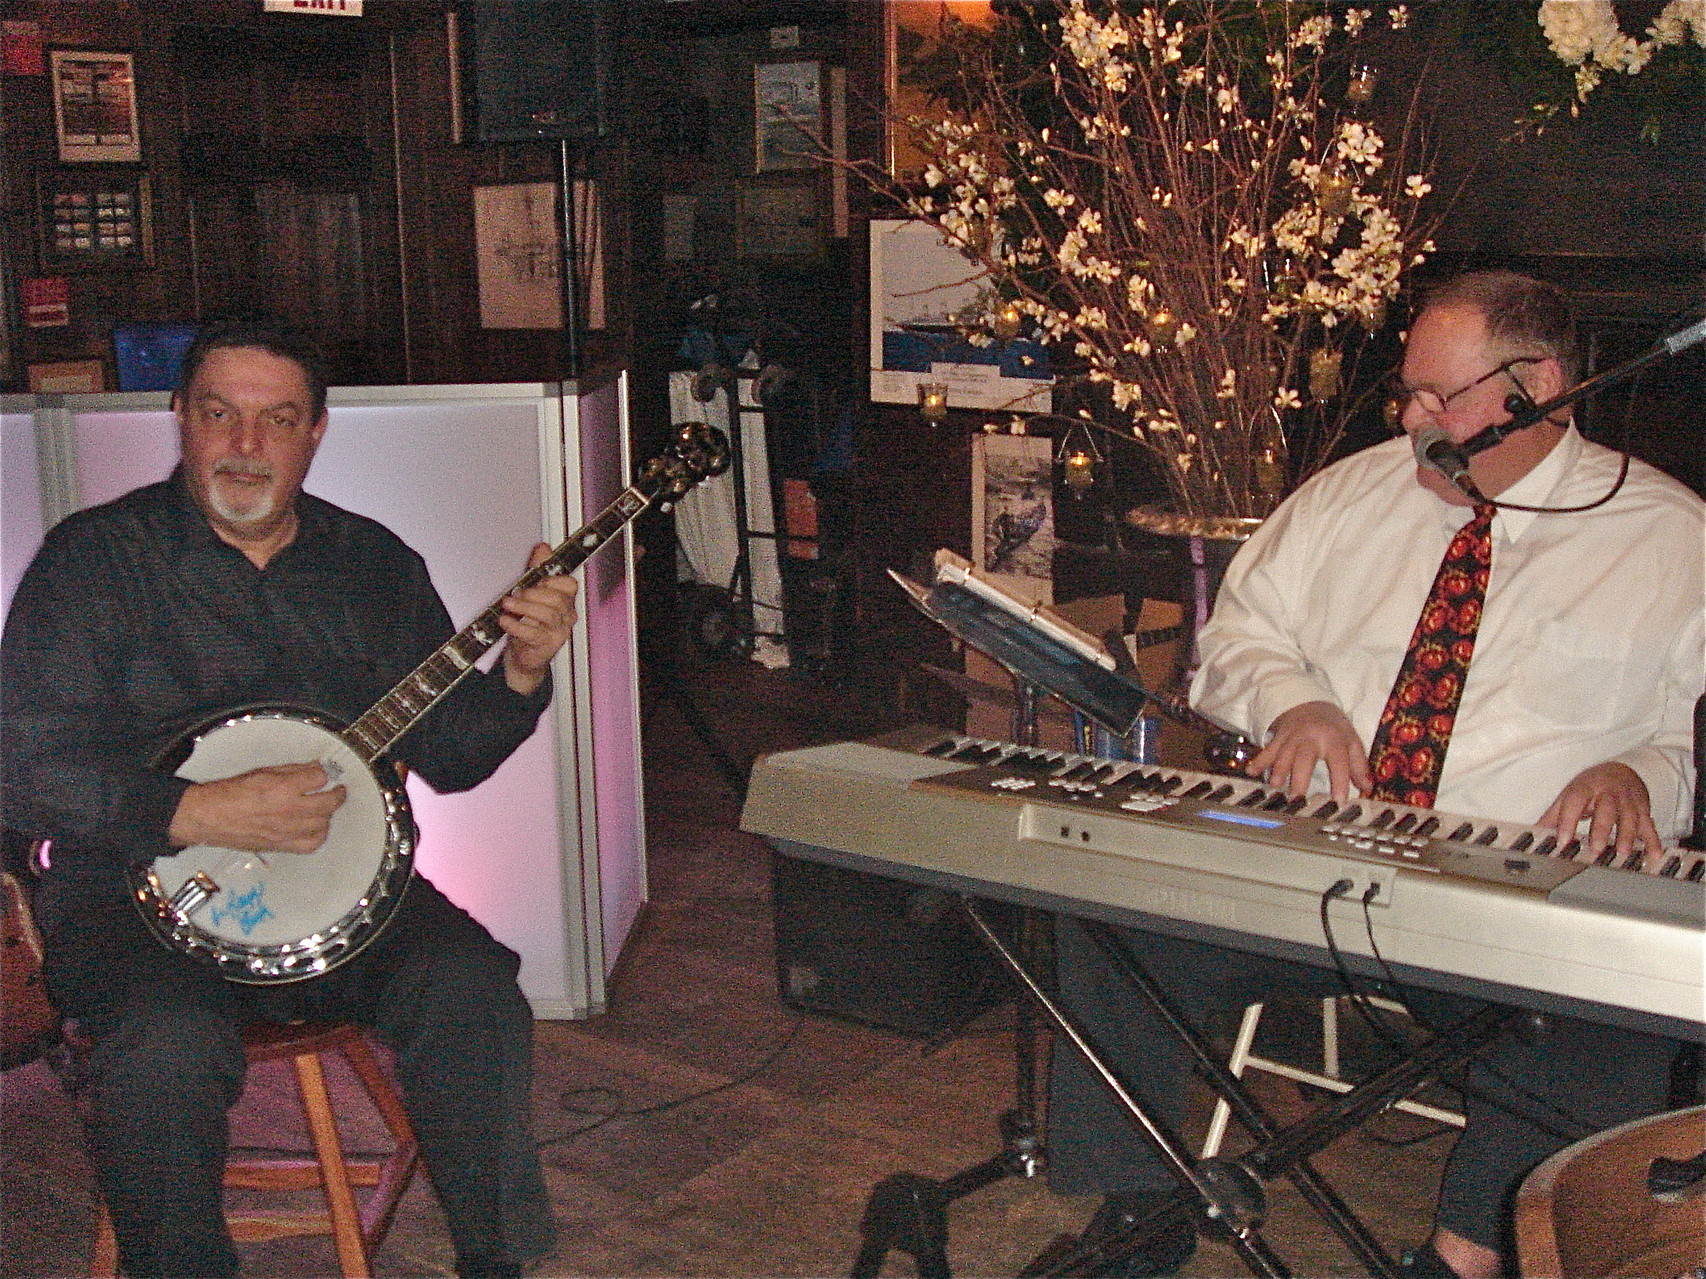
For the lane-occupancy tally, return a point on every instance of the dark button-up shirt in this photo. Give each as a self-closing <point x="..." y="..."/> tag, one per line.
<point x="135" y="622"/>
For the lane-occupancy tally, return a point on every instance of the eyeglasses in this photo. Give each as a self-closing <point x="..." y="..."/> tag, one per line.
<point x="1398" y="395"/>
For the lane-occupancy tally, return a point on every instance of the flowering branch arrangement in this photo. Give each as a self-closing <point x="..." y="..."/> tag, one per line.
<point x="1184" y="202"/>
<point x="1585" y="36"/>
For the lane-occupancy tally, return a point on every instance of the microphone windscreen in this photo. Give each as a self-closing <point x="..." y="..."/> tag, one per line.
<point x="1427" y="438"/>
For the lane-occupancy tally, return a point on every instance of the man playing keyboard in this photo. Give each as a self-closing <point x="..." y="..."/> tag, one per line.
<point x="1387" y="634"/>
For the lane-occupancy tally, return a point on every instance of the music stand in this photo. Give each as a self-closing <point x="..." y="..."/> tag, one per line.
<point x="1041" y="651"/>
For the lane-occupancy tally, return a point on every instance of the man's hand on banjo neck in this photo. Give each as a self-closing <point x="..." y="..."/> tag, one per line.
<point x="284" y="808"/>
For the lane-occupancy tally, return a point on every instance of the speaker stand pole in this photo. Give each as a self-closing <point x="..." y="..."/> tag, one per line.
<point x="568" y="277"/>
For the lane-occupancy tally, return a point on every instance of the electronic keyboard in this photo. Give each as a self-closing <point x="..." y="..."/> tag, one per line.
<point x="1496" y="909"/>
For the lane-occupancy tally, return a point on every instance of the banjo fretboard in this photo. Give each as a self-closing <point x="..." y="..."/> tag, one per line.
<point x="379" y="727"/>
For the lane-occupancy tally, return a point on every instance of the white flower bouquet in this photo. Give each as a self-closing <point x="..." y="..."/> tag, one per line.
<point x="1185" y="201"/>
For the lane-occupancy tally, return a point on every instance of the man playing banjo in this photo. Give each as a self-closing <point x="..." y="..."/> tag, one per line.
<point x="226" y="586"/>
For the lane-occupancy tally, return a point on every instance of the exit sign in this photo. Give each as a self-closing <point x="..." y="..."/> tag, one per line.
<point x="315" y="8"/>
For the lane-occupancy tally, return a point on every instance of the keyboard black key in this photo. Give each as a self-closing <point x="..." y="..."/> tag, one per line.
<point x="1198" y="791"/>
<point x="1403" y="824"/>
<point x="1326" y="810"/>
<point x="1521" y="842"/>
<point x="1429" y="825"/>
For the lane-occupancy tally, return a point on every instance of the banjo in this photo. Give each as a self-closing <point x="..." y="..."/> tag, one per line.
<point x="271" y="918"/>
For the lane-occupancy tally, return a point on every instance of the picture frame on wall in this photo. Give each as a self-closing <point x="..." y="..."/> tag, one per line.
<point x="95" y="116"/>
<point x="67" y="377"/>
<point x="788" y="118"/>
<point x="921" y="287"/>
<point x="518" y="255"/>
<point x="778" y="218"/>
<point x="97" y="219"/>
<point x="917" y="39"/>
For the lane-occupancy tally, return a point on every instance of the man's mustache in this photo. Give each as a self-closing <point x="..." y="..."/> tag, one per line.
<point x="241" y="466"/>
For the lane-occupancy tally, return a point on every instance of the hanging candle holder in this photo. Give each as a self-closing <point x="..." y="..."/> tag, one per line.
<point x="1078" y="459"/>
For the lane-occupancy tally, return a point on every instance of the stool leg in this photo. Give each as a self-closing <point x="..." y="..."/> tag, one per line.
<point x="1330" y="1037"/>
<point x="1235" y="1064"/>
<point x="399" y="1169"/>
<point x="340" y="1199"/>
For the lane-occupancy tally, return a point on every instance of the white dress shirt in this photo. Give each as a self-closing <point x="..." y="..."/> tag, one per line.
<point x="1590" y="647"/>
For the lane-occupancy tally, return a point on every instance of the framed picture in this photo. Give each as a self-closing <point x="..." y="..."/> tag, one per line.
<point x="778" y="219"/>
<point x="94" y="219"/>
<point x="788" y="120"/>
<point x="918" y="39"/>
<point x="68" y="377"/>
<point x="518" y="254"/>
<point x="94" y="106"/>
<point x="921" y="288"/>
<point x="1012" y="512"/>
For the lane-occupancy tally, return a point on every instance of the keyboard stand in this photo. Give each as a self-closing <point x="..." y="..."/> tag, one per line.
<point x="1224" y="1195"/>
<point x="908" y="1212"/>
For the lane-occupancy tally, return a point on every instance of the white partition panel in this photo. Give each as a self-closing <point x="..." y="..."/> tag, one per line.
<point x="20" y="494"/>
<point x="472" y="477"/>
<point x="616" y="801"/>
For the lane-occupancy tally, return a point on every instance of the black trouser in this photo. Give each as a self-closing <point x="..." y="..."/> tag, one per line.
<point x="1597" y="1076"/>
<point x="168" y="1063"/>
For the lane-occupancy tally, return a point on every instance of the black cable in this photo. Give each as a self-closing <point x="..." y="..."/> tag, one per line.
<point x="621" y="1112"/>
<point x="1358" y="998"/>
<point x="1461" y="1085"/>
<point x="1622" y="474"/>
<point x="1339" y="889"/>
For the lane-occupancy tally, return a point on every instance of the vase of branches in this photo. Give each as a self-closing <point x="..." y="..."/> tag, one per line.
<point x="1197" y="207"/>
<point x="1190" y="203"/>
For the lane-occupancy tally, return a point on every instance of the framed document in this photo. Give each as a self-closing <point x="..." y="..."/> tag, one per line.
<point x="94" y="219"/>
<point x="788" y="118"/>
<point x="94" y="106"/>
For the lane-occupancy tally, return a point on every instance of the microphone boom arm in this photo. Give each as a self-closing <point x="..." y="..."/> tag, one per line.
<point x="1675" y="344"/>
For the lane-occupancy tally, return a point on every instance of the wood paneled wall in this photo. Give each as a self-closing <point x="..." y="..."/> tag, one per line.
<point x="305" y="166"/>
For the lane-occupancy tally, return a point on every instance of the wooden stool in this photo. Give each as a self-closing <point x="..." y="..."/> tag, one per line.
<point x="357" y="1233"/>
<point x="1244" y="1058"/>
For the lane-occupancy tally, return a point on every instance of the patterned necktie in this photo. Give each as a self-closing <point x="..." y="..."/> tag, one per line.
<point x="1415" y="728"/>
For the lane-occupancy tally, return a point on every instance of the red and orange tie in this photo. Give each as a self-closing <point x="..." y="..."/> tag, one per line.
<point x="1409" y="748"/>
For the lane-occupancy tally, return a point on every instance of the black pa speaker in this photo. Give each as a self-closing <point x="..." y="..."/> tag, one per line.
<point x="537" y="69"/>
<point x="878" y="951"/>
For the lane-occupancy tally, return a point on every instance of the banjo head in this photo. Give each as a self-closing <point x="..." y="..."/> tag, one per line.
<point x="266" y="918"/>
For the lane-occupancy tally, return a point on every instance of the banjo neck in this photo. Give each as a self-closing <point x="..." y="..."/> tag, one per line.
<point x="379" y="727"/>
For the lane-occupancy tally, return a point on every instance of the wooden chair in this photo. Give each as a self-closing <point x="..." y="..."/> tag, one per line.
<point x="357" y="1231"/>
<point x="1589" y="1211"/>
